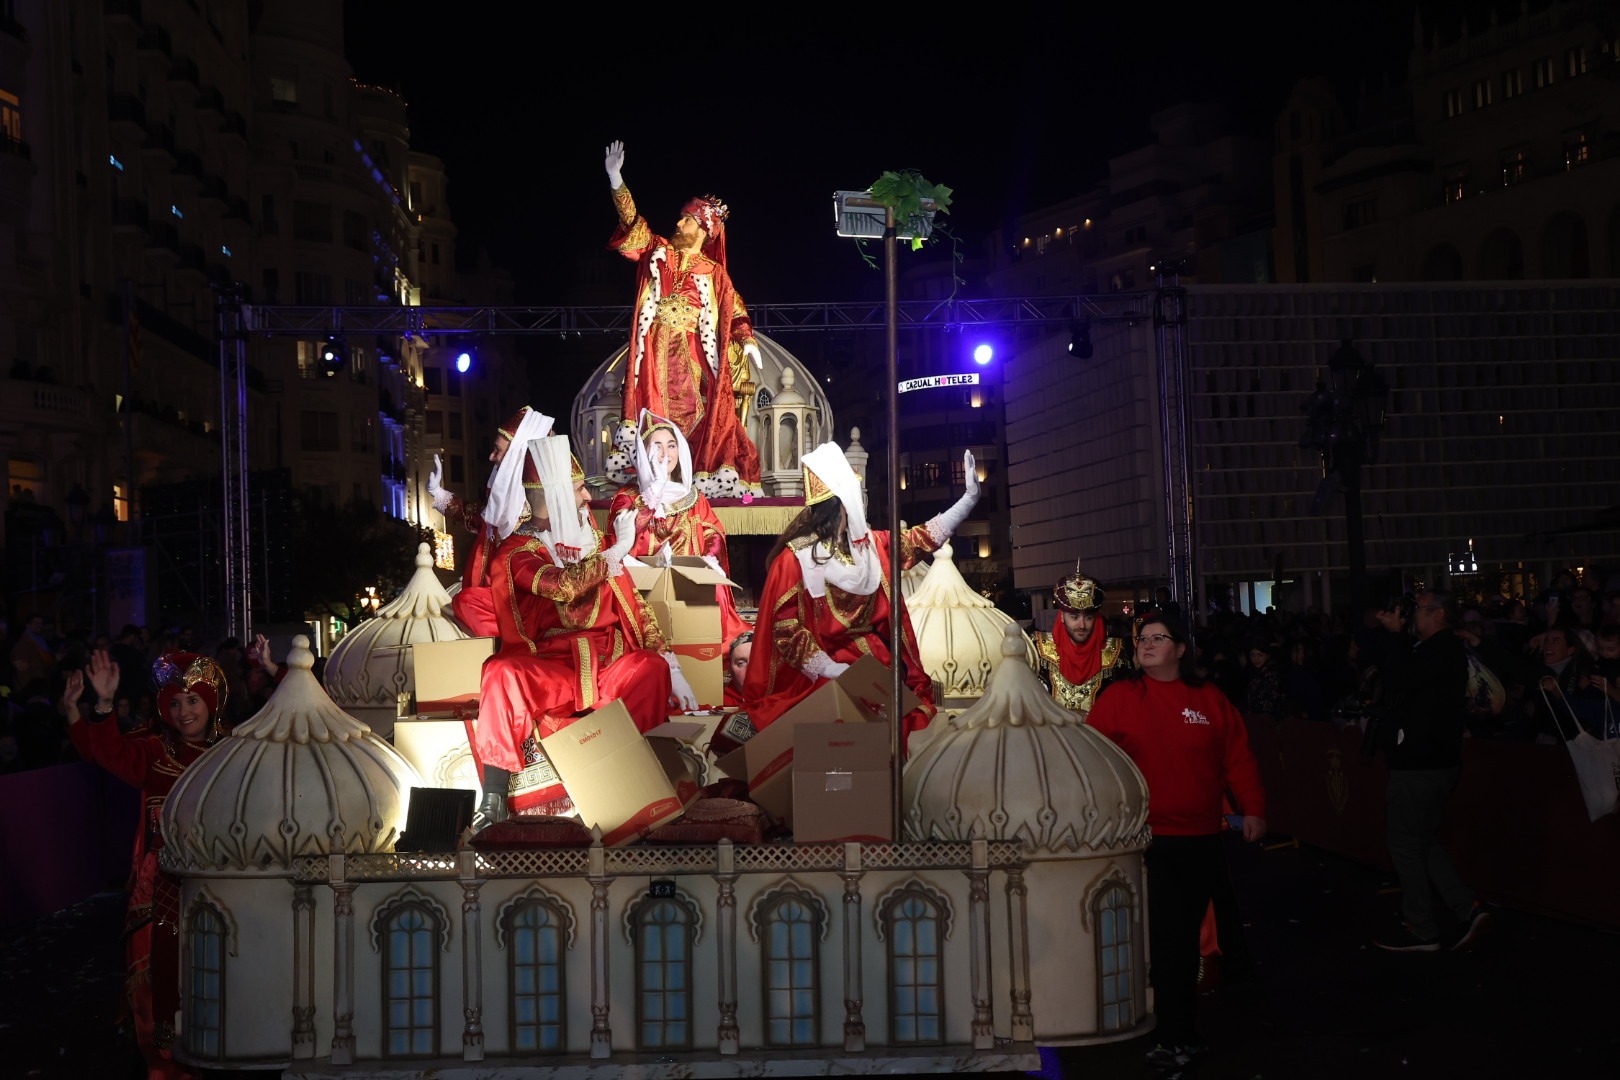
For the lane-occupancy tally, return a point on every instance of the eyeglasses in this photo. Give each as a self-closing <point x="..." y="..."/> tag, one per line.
<point x="1153" y="639"/>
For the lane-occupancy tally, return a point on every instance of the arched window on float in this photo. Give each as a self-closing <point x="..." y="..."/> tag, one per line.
<point x="205" y="972"/>
<point x="664" y="930"/>
<point x="914" y="929"/>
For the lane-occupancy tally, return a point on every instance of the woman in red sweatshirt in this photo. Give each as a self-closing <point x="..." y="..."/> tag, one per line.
<point x="1192" y="747"/>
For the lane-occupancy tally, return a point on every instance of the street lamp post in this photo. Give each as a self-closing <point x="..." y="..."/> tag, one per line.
<point x="1343" y="422"/>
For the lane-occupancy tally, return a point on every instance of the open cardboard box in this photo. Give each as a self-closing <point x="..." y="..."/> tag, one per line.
<point x="859" y="695"/>
<point x="446" y="674"/>
<point x="621" y="782"/>
<point x="681" y="596"/>
<point x="842" y="784"/>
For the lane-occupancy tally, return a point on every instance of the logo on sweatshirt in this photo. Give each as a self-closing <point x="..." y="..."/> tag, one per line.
<point x="1193" y="716"/>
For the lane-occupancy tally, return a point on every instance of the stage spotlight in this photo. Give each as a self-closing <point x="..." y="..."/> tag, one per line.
<point x="1080" y="339"/>
<point x="463" y="362"/>
<point x="334" y="355"/>
<point x="983" y="354"/>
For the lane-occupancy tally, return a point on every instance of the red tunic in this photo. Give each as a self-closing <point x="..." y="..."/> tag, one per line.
<point x="473" y="605"/>
<point x="152" y="764"/>
<point x="688" y="318"/>
<point x="844" y="626"/>
<point x="571" y="640"/>
<point x="691" y="529"/>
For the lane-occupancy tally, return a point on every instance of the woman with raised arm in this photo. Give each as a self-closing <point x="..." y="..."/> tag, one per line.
<point x="829" y="594"/>
<point x="191" y="704"/>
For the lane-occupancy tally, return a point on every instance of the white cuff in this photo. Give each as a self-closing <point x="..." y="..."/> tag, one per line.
<point x="441" y="499"/>
<point x="942" y="526"/>
<point x="822" y="666"/>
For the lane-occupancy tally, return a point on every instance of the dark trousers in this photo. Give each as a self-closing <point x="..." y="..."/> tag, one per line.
<point x="1415" y="803"/>
<point x="1181" y="876"/>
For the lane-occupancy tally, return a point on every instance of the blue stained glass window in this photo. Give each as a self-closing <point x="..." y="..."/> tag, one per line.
<point x="537" y="1003"/>
<point x="1111" y="914"/>
<point x="916" y="1013"/>
<point x="410" y="983"/>
<point x="205" y="1002"/>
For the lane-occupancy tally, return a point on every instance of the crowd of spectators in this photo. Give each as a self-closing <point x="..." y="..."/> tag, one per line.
<point x="1564" y="643"/>
<point x="35" y="661"/>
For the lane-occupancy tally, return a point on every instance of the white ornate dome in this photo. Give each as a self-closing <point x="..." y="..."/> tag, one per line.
<point x="1016" y="765"/>
<point x="371" y="666"/>
<point x="959" y="632"/>
<point x="600" y="401"/>
<point x="300" y="778"/>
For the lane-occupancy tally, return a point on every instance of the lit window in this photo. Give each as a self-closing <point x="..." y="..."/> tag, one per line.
<point x="1577" y="151"/>
<point x="664" y="975"/>
<point x="1515" y="166"/>
<point x="205" y="1002"/>
<point x="1512" y="83"/>
<point x="538" y="989"/>
<point x="410" y="977"/>
<point x="916" y="1005"/>
<point x="285" y="90"/>
<point x="1541" y="73"/>
<point x="792" y="928"/>
<point x="1482" y="93"/>
<point x="1574" y="62"/>
<point x="1116" y="996"/>
<point x="1454" y="103"/>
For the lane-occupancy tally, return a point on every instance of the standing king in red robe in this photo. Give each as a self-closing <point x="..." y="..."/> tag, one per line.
<point x="688" y="322"/>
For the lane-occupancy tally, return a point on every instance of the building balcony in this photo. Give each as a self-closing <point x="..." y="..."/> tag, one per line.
<point x="37" y="406"/>
<point x="163" y="240"/>
<point x="210" y="99"/>
<point x="122" y="11"/>
<point x="183" y="73"/>
<point x="187" y="163"/>
<point x="129" y="215"/>
<point x="235" y="124"/>
<point x="155" y="39"/>
<point x="213" y="187"/>
<point x="192" y="258"/>
<point x="126" y="109"/>
<point x="160" y="142"/>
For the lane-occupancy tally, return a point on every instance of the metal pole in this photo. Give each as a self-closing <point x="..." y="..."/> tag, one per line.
<point x="234" y="461"/>
<point x="897" y="602"/>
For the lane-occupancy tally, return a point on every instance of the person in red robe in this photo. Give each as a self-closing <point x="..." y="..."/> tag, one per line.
<point x="672" y="517"/>
<point x="191" y="701"/>
<point x="1078" y="658"/>
<point x="575" y="635"/>
<point x="829" y="598"/>
<point x="473" y="604"/>
<point x="689" y="320"/>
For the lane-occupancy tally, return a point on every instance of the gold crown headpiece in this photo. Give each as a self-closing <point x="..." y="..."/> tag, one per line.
<point x="814" y="490"/>
<point x="1077" y="592"/>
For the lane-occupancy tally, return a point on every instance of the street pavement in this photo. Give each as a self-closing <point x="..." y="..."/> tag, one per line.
<point x="1538" y="998"/>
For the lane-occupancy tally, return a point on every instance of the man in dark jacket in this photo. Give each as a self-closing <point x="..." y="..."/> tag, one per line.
<point x="1425" y="763"/>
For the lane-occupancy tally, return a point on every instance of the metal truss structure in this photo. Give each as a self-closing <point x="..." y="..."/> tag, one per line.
<point x="953" y="314"/>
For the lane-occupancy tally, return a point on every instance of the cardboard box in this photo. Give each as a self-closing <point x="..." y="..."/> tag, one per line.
<point x="842" y="783"/>
<point x="615" y="776"/>
<point x="682" y="599"/>
<point x="859" y="695"/>
<point x="446" y="673"/>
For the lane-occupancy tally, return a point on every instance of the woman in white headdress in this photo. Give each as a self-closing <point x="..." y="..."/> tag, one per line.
<point x="828" y="598"/>
<point x="672" y="517"/>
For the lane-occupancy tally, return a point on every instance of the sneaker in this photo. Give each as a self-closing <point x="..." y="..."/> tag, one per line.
<point x="1406" y="941"/>
<point x="1479" y="924"/>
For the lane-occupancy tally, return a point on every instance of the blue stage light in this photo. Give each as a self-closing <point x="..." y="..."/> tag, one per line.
<point x="463" y="362"/>
<point x="983" y="354"/>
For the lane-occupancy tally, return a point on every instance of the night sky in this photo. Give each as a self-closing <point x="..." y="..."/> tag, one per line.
<point x="1013" y="117"/>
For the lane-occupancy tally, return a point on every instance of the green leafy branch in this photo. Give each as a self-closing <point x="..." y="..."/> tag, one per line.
<point x="907" y="192"/>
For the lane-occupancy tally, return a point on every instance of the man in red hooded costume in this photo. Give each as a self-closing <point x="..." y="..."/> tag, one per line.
<point x="689" y="323"/>
<point x="1078" y="658"/>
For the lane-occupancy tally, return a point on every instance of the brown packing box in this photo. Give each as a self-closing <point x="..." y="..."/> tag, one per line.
<point x="859" y="695"/>
<point x="842" y="785"/>
<point x="446" y="673"/>
<point x="682" y="599"/>
<point x="617" y="778"/>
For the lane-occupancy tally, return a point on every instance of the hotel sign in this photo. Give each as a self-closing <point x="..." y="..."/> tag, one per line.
<point x="929" y="382"/>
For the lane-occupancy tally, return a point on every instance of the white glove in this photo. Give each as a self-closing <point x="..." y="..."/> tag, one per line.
<point x="624" y="537"/>
<point x="751" y="351"/>
<point x="441" y="498"/>
<point x="614" y="161"/>
<point x="943" y="525"/>
<point x="679" y="689"/>
<point x="822" y="666"/>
